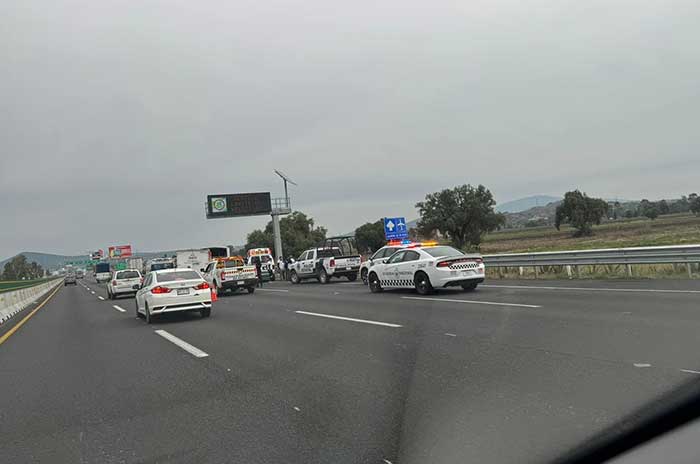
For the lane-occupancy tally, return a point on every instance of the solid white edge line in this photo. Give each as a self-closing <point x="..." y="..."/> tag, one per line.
<point x="592" y="289"/>
<point x="119" y="308"/>
<point x="351" y="319"/>
<point x="690" y="371"/>
<point x="493" y="303"/>
<point x="92" y="293"/>
<point x="271" y="290"/>
<point x="101" y="298"/>
<point x="193" y="350"/>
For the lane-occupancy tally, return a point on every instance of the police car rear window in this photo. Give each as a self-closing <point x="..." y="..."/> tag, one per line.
<point x="441" y="251"/>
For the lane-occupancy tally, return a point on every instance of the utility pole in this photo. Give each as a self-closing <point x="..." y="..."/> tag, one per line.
<point x="280" y="206"/>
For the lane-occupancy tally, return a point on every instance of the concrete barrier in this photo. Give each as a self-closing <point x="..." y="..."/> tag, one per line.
<point x="15" y="301"/>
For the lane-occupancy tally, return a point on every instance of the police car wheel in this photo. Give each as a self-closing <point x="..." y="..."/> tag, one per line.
<point x="422" y="284"/>
<point x="374" y="285"/>
<point x="363" y="276"/>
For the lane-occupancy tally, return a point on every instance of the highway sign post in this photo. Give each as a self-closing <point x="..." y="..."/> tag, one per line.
<point x="395" y="228"/>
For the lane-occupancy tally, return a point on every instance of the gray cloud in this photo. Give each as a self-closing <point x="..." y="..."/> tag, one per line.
<point x="118" y="118"/>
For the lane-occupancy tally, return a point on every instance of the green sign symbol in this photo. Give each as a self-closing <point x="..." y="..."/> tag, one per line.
<point x="218" y="205"/>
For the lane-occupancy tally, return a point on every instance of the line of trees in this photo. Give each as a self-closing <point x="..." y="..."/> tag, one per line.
<point x="462" y="216"/>
<point x="298" y="232"/>
<point x="18" y="268"/>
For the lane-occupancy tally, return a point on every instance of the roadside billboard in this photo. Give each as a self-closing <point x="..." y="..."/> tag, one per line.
<point x="120" y="251"/>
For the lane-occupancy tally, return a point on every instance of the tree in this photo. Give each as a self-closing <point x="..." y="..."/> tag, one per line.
<point x="581" y="211"/>
<point x="370" y="236"/>
<point x="18" y="268"/>
<point x="297" y="231"/>
<point x="648" y="209"/>
<point x="463" y="214"/>
<point x="694" y="202"/>
<point x="663" y="207"/>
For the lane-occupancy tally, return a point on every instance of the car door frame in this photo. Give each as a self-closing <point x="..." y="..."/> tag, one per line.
<point x="141" y="291"/>
<point x="407" y="268"/>
<point x="389" y="274"/>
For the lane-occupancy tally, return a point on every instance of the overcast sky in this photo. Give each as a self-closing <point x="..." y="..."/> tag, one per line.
<point x="118" y="117"/>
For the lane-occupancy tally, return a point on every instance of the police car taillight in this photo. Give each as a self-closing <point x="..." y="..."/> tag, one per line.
<point x="332" y="262"/>
<point x="444" y="263"/>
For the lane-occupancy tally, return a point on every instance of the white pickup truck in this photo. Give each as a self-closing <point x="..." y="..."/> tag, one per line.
<point x="336" y="257"/>
<point x="230" y="274"/>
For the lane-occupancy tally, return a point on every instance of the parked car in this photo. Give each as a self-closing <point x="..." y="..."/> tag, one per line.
<point x="123" y="282"/>
<point x="172" y="290"/>
<point x="335" y="257"/>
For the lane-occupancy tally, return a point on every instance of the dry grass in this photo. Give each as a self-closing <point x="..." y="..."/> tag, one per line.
<point x="680" y="229"/>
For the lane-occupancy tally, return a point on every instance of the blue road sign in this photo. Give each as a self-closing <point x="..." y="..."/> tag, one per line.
<point x="395" y="228"/>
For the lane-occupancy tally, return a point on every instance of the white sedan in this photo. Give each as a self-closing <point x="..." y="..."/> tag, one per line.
<point x="426" y="268"/>
<point x="170" y="290"/>
<point x="379" y="256"/>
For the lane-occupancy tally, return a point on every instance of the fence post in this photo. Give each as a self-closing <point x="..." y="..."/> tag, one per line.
<point x="629" y="270"/>
<point x="568" y="271"/>
<point x="520" y="270"/>
<point x="535" y="272"/>
<point x="690" y="270"/>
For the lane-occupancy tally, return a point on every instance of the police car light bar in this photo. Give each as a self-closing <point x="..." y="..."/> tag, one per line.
<point x="410" y="244"/>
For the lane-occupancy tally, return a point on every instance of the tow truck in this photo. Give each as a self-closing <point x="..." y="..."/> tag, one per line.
<point x="230" y="274"/>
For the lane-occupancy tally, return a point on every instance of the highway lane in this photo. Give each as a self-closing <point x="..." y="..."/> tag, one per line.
<point x="446" y="381"/>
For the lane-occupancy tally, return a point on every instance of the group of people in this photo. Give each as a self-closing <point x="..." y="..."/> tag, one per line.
<point x="283" y="265"/>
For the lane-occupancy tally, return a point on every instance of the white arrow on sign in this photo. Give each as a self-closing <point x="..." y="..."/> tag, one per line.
<point x="390" y="226"/>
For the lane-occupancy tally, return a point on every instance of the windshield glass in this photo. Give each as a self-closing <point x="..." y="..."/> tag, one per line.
<point x="157" y="266"/>
<point x="176" y="275"/>
<point x="532" y="167"/>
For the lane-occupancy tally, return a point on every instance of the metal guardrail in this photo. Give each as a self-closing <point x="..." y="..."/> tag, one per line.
<point x="676" y="254"/>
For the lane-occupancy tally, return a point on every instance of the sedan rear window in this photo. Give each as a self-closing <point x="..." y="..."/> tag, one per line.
<point x="177" y="275"/>
<point x="128" y="275"/>
<point x="441" y="251"/>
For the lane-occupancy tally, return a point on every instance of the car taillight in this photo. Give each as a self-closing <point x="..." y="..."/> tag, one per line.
<point x="202" y="286"/>
<point x="444" y="264"/>
<point x="159" y="290"/>
<point x="478" y="260"/>
<point x="114" y="282"/>
<point x="222" y="275"/>
<point x="332" y="262"/>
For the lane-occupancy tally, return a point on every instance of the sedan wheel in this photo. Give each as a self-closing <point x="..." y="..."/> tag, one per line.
<point x="149" y="318"/>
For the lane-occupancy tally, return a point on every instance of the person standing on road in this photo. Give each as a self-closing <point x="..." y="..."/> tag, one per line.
<point x="280" y="267"/>
<point x="258" y="269"/>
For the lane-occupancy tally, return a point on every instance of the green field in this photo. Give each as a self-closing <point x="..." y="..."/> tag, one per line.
<point x="673" y="229"/>
<point x="10" y="285"/>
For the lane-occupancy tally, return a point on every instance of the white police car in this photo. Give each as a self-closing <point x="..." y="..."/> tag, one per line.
<point x="380" y="256"/>
<point x="426" y="267"/>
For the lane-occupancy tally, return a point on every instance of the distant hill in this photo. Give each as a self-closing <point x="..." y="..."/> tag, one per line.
<point x="53" y="262"/>
<point x="526" y="203"/>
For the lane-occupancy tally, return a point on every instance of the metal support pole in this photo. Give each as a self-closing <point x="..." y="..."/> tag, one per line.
<point x="520" y="270"/>
<point x="277" y="236"/>
<point x="535" y="272"/>
<point x="629" y="270"/>
<point x="568" y="272"/>
<point x="690" y="270"/>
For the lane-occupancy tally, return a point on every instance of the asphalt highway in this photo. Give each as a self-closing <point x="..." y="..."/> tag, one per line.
<point x="515" y="372"/>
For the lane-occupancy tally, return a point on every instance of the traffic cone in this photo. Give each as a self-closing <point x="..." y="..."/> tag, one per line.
<point x="213" y="295"/>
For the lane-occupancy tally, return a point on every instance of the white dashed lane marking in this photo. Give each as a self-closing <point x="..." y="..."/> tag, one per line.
<point x="119" y="308"/>
<point x="448" y="300"/>
<point x="350" y="319"/>
<point x="193" y="350"/>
